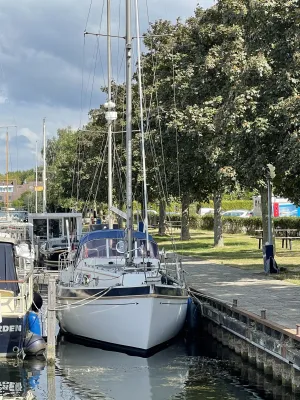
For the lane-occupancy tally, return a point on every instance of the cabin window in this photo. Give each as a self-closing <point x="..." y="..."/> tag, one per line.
<point x="93" y="248"/>
<point x="116" y="247"/>
<point x="142" y="246"/>
<point x="55" y="228"/>
<point x="40" y="228"/>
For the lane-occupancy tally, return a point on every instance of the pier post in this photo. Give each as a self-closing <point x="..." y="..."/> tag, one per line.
<point x="277" y="369"/>
<point x="51" y="390"/>
<point x="244" y="350"/>
<point x="268" y="365"/>
<point x="260" y="359"/>
<point x="295" y="379"/>
<point x="251" y="354"/>
<point x="286" y="374"/>
<point x="51" y="323"/>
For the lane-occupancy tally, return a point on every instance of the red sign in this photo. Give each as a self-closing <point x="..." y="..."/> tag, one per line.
<point x="276" y="209"/>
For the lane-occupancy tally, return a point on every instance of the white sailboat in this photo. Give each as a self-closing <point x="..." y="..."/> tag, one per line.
<point x="118" y="290"/>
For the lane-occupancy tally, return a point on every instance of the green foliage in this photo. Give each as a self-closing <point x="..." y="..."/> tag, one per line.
<point x="222" y="94"/>
<point x="207" y="222"/>
<point x="287" y="223"/>
<point x="232" y="205"/>
<point x="242" y="225"/>
<point x="19" y="176"/>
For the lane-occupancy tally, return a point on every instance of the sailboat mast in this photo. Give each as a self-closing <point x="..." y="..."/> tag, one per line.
<point x="129" y="131"/>
<point x="36" y="175"/>
<point x="6" y="170"/>
<point x="110" y="221"/>
<point x="142" y="124"/>
<point x="44" y="169"/>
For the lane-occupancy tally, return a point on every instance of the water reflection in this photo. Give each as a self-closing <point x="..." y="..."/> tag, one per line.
<point x="177" y="372"/>
<point x="113" y="375"/>
<point x="184" y="371"/>
<point x="18" y="380"/>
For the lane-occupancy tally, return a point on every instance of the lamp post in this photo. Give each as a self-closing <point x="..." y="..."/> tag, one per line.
<point x="270" y="176"/>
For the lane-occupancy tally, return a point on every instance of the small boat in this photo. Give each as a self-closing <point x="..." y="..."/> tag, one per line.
<point x="16" y="300"/>
<point x="50" y="251"/>
<point x="103" y="300"/>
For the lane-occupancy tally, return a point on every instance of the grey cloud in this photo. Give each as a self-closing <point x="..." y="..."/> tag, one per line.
<point x="42" y="46"/>
<point x="41" y="54"/>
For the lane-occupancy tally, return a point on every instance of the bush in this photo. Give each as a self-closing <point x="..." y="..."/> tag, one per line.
<point x="173" y="217"/>
<point x="232" y="205"/>
<point x="237" y="224"/>
<point x="207" y="222"/>
<point x="195" y="221"/>
<point x="287" y="223"/>
<point x="241" y="225"/>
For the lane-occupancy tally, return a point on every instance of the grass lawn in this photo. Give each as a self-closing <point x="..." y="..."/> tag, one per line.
<point x="240" y="251"/>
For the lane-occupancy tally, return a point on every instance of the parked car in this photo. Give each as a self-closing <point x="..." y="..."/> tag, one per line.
<point x="205" y="210"/>
<point x="238" y="213"/>
<point x="172" y="213"/>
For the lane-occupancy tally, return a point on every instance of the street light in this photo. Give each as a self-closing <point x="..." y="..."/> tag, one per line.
<point x="270" y="176"/>
<point x="110" y="114"/>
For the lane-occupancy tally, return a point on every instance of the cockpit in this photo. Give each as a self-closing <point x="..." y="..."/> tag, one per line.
<point x="116" y="247"/>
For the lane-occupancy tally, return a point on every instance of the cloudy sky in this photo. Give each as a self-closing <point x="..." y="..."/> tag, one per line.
<point x="48" y="70"/>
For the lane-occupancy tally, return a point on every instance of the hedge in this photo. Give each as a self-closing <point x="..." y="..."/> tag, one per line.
<point x="232" y="205"/>
<point x="241" y="225"/>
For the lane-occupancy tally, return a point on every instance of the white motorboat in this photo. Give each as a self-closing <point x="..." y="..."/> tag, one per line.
<point x="16" y="296"/>
<point x="102" y="299"/>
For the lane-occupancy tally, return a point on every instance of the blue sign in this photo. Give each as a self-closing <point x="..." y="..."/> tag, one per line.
<point x="288" y="210"/>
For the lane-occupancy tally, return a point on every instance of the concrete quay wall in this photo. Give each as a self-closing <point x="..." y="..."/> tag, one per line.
<point x="267" y="346"/>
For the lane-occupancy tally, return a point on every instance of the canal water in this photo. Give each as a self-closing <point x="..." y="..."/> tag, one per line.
<point x="202" y="370"/>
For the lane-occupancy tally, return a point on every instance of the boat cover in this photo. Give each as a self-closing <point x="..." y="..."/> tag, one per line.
<point x="112" y="234"/>
<point x="7" y="268"/>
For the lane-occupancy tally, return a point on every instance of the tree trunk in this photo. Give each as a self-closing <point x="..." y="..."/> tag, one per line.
<point x="185" y="220"/>
<point x="264" y="213"/>
<point x="162" y="218"/>
<point x="218" y="233"/>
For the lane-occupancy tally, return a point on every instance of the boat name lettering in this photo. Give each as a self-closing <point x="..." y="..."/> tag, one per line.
<point x="14" y="387"/>
<point x="10" y="328"/>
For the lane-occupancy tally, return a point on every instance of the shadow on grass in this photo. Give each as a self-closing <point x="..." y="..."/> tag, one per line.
<point x="231" y="255"/>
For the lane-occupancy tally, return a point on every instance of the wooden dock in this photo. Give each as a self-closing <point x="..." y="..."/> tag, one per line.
<point x="254" y="314"/>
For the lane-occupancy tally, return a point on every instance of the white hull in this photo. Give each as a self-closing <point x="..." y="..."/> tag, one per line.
<point x="140" y="322"/>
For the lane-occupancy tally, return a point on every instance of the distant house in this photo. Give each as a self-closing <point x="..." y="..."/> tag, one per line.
<point x="14" y="190"/>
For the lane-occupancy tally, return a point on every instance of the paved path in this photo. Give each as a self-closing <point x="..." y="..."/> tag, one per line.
<point x="254" y="290"/>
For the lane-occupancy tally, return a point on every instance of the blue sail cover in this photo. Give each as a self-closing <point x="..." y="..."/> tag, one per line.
<point x="112" y="234"/>
<point x="7" y="268"/>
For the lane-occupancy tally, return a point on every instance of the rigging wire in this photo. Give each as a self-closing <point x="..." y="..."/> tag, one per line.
<point x="100" y="163"/>
<point x="92" y="73"/>
<point x="82" y="81"/>
<point x="165" y="196"/>
<point x="142" y="135"/>
<point x="88" y="16"/>
<point x="176" y="130"/>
